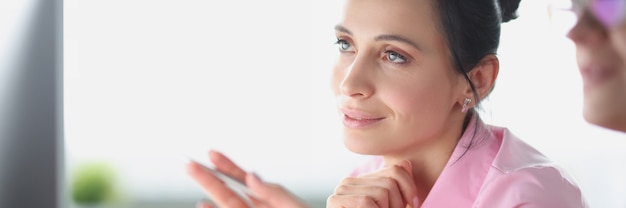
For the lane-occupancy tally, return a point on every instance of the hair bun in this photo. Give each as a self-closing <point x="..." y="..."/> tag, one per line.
<point x="508" y="9"/>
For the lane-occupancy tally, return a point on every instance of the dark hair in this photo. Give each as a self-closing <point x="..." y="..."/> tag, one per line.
<point x="472" y="31"/>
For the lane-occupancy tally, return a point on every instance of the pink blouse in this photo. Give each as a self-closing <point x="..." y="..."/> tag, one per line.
<point x="498" y="171"/>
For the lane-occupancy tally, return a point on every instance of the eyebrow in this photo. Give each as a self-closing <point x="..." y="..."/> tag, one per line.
<point x="398" y="38"/>
<point x="341" y="28"/>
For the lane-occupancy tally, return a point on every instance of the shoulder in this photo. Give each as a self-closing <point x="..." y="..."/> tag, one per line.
<point x="546" y="186"/>
<point x="515" y="154"/>
<point x="521" y="176"/>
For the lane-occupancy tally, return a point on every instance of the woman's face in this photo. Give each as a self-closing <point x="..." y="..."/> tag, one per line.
<point x="601" y="54"/>
<point x="393" y="80"/>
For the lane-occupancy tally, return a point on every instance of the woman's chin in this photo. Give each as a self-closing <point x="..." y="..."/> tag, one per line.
<point x="595" y="116"/>
<point x="364" y="148"/>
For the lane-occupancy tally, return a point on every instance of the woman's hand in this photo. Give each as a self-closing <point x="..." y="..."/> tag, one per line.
<point x="390" y="187"/>
<point x="266" y="194"/>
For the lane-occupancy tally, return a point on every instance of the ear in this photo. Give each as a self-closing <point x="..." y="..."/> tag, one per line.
<point x="483" y="76"/>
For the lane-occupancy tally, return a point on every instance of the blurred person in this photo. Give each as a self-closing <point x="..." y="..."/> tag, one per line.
<point x="409" y="76"/>
<point x="600" y="39"/>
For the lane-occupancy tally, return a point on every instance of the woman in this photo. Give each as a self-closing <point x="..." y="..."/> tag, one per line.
<point x="408" y="77"/>
<point x="600" y="38"/>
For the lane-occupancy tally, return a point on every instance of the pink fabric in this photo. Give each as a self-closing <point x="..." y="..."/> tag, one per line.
<point x="499" y="170"/>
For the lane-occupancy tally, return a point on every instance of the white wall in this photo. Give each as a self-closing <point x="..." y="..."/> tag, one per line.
<point x="146" y="80"/>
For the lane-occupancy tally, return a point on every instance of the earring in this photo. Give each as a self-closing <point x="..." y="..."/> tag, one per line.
<point x="465" y="103"/>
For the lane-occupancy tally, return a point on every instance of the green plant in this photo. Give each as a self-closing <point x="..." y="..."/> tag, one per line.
<point x="93" y="183"/>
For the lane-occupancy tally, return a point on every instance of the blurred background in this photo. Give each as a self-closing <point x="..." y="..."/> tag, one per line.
<point x="147" y="81"/>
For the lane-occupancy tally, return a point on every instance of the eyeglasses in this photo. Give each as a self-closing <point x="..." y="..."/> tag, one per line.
<point x="609" y="13"/>
<point x="565" y="14"/>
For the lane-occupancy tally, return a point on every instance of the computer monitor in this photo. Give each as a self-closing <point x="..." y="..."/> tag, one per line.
<point x="31" y="125"/>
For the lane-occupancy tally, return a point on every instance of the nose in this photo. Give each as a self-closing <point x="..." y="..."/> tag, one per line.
<point x="358" y="79"/>
<point x="587" y="30"/>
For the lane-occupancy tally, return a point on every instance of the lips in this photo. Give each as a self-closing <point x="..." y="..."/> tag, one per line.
<point x="593" y="75"/>
<point x="359" y="119"/>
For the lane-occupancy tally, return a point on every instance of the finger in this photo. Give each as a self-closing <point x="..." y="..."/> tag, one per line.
<point x="408" y="167"/>
<point x="257" y="202"/>
<point x="214" y="187"/>
<point x="382" y="195"/>
<point x="272" y="194"/>
<point x="342" y="201"/>
<point x="225" y="165"/>
<point x="204" y="204"/>
<point x="405" y="182"/>
<point x="412" y="199"/>
<point x="403" y="179"/>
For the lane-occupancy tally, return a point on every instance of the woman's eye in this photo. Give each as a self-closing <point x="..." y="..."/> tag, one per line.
<point x="395" y="57"/>
<point x="344" y="45"/>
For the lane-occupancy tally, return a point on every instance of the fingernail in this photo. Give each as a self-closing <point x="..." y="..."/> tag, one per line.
<point x="213" y="152"/>
<point x="416" y="202"/>
<point x="256" y="178"/>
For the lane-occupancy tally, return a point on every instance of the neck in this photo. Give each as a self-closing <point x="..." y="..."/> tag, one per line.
<point x="429" y="160"/>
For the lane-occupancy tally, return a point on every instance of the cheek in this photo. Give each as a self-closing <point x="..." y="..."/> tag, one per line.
<point x="618" y="40"/>
<point x="427" y="92"/>
<point x="419" y="101"/>
<point x="419" y="113"/>
<point x="419" y="105"/>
